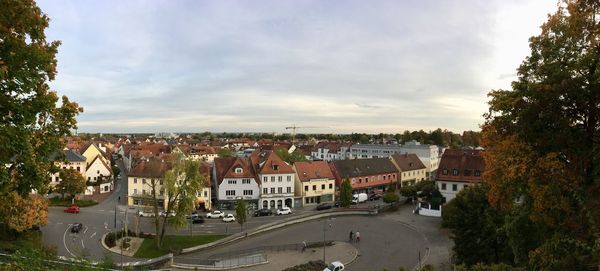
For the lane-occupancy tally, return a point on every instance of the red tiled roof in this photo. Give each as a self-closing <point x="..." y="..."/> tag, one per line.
<point x="313" y="170"/>
<point x="466" y="162"/>
<point x="265" y="163"/>
<point x="153" y="168"/>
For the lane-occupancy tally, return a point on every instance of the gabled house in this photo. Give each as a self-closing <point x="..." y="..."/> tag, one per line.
<point x="276" y="180"/>
<point x="366" y="175"/>
<point x="314" y="182"/>
<point x="140" y="178"/>
<point x="234" y="178"/>
<point x="410" y="168"/>
<point x="72" y="160"/>
<point x="459" y="169"/>
<point x="100" y="173"/>
<point x="91" y="151"/>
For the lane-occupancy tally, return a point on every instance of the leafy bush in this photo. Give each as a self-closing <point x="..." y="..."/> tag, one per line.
<point x="390" y="197"/>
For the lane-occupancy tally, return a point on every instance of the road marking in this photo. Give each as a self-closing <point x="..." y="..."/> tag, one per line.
<point x="84" y="231"/>
<point x="105" y="226"/>
<point x="65" y="242"/>
<point x="93" y="234"/>
<point x="82" y="244"/>
<point x="59" y="223"/>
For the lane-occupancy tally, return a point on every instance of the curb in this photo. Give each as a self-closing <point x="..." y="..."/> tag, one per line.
<point x="353" y="259"/>
<point x="206" y="267"/>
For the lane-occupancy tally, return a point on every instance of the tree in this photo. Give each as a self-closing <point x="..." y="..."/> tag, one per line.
<point x="71" y="182"/>
<point x="225" y="152"/>
<point x="476" y="227"/>
<point x="542" y="142"/>
<point x="346" y="193"/>
<point x="295" y="156"/>
<point x="182" y="183"/>
<point x="22" y="213"/>
<point x="116" y="171"/>
<point x="240" y="211"/>
<point x="408" y="191"/>
<point x="31" y="124"/>
<point x="390" y="197"/>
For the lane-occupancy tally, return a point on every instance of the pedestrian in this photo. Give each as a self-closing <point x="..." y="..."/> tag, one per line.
<point x="351" y="236"/>
<point x="357" y="236"/>
<point x="303" y="246"/>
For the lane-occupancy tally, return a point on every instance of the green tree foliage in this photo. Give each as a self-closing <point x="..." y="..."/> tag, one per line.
<point x="488" y="267"/>
<point x="408" y="191"/>
<point x="71" y="182"/>
<point x="477" y="228"/>
<point x="346" y="193"/>
<point x="31" y="124"/>
<point x="240" y="211"/>
<point x="542" y="143"/>
<point x="115" y="171"/>
<point x="182" y="183"/>
<point x="225" y="152"/>
<point x="390" y="197"/>
<point x="295" y="156"/>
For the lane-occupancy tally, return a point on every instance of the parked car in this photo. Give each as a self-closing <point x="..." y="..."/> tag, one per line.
<point x="263" y="212"/>
<point x="229" y="218"/>
<point x="215" y="214"/>
<point x="324" y="206"/>
<point x="335" y="266"/>
<point x="374" y="196"/>
<point x="145" y="213"/>
<point x="162" y="213"/>
<point x="337" y="203"/>
<point x="284" y="211"/>
<point x="192" y="215"/>
<point x="198" y="220"/>
<point x="72" y="209"/>
<point x="76" y="228"/>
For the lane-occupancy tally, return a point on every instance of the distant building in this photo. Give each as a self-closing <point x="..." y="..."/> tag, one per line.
<point x="276" y="180"/>
<point x="410" y="168"/>
<point x="459" y="169"/>
<point x="330" y="151"/>
<point x="73" y="160"/>
<point x="234" y="178"/>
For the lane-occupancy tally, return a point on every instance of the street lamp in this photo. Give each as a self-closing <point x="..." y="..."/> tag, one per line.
<point x="324" y="230"/>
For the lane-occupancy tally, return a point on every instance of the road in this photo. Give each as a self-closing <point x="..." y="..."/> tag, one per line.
<point x="385" y="243"/>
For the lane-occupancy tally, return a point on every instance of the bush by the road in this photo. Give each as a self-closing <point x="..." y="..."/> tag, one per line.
<point x="310" y="266"/>
<point x="173" y="244"/>
<point x="65" y="202"/>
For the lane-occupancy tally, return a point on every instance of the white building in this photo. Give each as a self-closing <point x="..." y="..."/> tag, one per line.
<point x="331" y="151"/>
<point x="98" y="170"/>
<point x="276" y="178"/>
<point x="234" y="179"/>
<point x="459" y="169"/>
<point x="72" y="160"/>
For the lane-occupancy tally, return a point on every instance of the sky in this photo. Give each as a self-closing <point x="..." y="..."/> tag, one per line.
<point x="259" y="66"/>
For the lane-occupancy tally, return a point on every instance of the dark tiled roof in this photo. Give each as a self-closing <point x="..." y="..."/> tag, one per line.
<point x="408" y="162"/>
<point x="69" y="155"/>
<point x="313" y="170"/>
<point x="465" y="161"/>
<point x="363" y="167"/>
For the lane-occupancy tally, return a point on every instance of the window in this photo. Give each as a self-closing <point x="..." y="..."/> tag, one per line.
<point x="205" y="194"/>
<point x="78" y="168"/>
<point x="136" y="202"/>
<point x="330" y="186"/>
<point x="366" y="179"/>
<point x="323" y="187"/>
<point x="359" y="180"/>
<point x="477" y="173"/>
<point x="280" y="179"/>
<point x="383" y="177"/>
<point x="238" y="170"/>
<point x="161" y="182"/>
<point x="272" y="190"/>
<point x="454" y="187"/>
<point x="272" y="178"/>
<point x="135" y="191"/>
<point x="89" y="178"/>
<point x="265" y="191"/>
<point x="444" y="172"/>
<point x="143" y="191"/>
<point x="97" y="171"/>
<point x="279" y="190"/>
<point x="275" y="167"/>
<point x="465" y="186"/>
<point x="314" y="187"/>
<point x="246" y="181"/>
<point x="230" y="192"/>
<point x="379" y="177"/>
<point x="231" y="181"/>
<point x="162" y="192"/>
<point x="265" y="179"/>
<point x="94" y="178"/>
<point x="289" y="178"/>
<point x="247" y="192"/>
<point x="288" y="189"/>
<point x="443" y="186"/>
<point x="143" y="181"/>
<point x="134" y="180"/>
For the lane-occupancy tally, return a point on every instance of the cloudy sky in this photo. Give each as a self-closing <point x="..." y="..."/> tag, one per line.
<point x="348" y="66"/>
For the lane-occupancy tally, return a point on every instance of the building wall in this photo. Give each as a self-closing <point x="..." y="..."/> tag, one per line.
<point x="78" y="166"/>
<point x="95" y="170"/>
<point x="91" y="153"/>
<point x="324" y="189"/>
<point x="449" y="189"/>
<point x="276" y="186"/>
<point x="413" y="176"/>
<point x="376" y="183"/>
<point x="238" y="186"/>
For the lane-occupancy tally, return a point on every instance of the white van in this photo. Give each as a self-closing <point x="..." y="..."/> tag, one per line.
<point x="359" y="198"/>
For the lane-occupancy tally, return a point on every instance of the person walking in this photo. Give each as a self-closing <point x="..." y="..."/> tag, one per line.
<point x="357" y="236"/>
<point x="351" y="237"/>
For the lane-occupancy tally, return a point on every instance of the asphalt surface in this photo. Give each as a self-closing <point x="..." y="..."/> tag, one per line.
<point x="385" y="243"/>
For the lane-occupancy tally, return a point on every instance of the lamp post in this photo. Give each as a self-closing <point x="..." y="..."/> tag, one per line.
<point x="324" y="231"/>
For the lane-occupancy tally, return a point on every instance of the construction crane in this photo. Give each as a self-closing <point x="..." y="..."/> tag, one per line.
<point x="294" y="127"/>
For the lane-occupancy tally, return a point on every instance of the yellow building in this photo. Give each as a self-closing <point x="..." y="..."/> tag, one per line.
<point x="411" y="169"/>
<point x="314" y="182"/>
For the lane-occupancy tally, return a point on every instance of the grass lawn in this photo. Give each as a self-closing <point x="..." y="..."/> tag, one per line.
<point x="148" y="248"/>
<point x="67" y="202"/>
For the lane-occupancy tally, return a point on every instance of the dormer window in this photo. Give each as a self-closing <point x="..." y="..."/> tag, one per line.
<point x="275" y="167"/>
<point x="477" y="173"/>
<point x="444" y="172"/>
<point x="238" y="170"/>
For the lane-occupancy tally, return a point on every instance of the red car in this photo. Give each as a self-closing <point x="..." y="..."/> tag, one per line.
<point x="72" y="209"/>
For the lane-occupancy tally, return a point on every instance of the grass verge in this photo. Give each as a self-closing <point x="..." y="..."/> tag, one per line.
<point x="173" y="243"/>
<point x="67" y="202"/>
